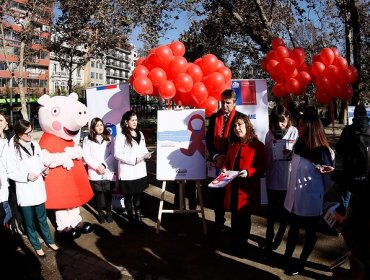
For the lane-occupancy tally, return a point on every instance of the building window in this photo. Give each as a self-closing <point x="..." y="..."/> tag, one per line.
<point x="92" y="64"/>
<point x="100" y="76"/>
<point x="92" y="75"/>
<point x="3" y="65"/>
<point x="96" y="75"/>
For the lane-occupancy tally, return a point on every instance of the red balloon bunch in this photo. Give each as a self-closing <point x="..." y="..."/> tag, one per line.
<point x="166" y="73"/>
<point x="287" y="68"/>
<point x="332" y="76"/>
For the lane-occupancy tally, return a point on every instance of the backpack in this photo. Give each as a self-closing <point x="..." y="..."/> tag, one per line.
<point x="354" y="164"/>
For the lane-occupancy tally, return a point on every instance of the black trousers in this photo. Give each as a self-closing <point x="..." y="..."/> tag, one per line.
<point x="309" y="224"/>
<point x="276" y="213"/>
<point x="218" y="197"/>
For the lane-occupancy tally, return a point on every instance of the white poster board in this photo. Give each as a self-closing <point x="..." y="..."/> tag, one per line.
<point x="181" y="145"/>
<point x="109" y="103"/>
<point x="252" y="100"/>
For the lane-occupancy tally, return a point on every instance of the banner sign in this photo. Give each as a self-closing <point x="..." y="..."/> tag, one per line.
<point x="252" y="100"/>
<point x="181" y="145"/>
<point x="109" y="103"/>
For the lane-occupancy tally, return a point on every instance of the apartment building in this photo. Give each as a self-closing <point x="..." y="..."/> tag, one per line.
<point x="36" y="70"/>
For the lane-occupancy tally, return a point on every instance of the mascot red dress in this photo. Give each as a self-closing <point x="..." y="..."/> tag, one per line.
<point x="67" y="185"/>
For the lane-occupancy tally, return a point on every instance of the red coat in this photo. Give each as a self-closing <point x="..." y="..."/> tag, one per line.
<point x="253" y="159"/>
<point x="65" y="189"/>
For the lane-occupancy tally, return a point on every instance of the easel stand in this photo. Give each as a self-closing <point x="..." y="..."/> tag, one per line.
<point x="181" y="209"/>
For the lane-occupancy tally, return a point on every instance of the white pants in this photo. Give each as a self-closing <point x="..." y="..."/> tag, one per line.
<point x="67" y="218"/>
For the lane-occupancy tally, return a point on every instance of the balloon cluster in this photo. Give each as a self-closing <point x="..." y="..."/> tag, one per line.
<point x="166" y="73"/>
<point x="287" y="68"/>
<point x="333" y="77"/>
<point x="330" y="72"/>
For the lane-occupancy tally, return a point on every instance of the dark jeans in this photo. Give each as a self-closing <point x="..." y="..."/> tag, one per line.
<point x="276" y="212"/>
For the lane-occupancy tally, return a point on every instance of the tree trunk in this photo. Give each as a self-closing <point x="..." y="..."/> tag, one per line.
<point x="70" y="75"/>
<point x="22" y="95"/>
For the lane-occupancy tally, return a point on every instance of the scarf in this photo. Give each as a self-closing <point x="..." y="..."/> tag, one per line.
<point x="220" y="139"/>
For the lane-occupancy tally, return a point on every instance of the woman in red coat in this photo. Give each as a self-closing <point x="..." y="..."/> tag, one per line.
<point x="243" y="196"/>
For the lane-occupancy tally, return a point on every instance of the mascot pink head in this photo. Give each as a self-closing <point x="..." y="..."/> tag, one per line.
<point x="62" y="116"/>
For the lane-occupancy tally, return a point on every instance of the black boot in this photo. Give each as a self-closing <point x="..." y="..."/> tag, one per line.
<point x="101" y="218"/>
<point x="109" y="216"/>
<point x="130" y="217"/>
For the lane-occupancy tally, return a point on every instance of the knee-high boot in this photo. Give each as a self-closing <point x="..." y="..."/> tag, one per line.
<point x="129" y="208"/>
<point x="137" y="206"/>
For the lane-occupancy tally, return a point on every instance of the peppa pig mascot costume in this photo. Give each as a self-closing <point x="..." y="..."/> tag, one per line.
<point x="67" y="185"/>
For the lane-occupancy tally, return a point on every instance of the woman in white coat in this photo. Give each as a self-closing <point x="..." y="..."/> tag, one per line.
<point x="131" y="152"/>
<point x="312" y="158"/>
<point x="99" y="156"/>
<point x="26" y="168"/>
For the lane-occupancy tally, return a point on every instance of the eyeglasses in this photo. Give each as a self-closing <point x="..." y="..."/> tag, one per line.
<point x="28" y="133"/>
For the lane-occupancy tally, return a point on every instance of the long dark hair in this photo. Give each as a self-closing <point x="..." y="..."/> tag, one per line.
<point x="20" y="127"/>
<point x="313" y="131"/>
<point x="278" y="114"/>
<point x="124" y="127"/>
<point x="92" y="133"/>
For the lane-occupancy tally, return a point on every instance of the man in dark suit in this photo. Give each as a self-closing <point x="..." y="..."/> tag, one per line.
<point x="220" y="133"/>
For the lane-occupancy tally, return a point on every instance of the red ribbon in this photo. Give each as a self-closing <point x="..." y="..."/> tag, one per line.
<point x="196" y="138"/>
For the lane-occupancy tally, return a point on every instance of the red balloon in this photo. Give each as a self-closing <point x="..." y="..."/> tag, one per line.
<point x="304" y="78"/>
<point x="131" y="80"/>
<point x="139" y="71"/>
<point x="271" y="64"/>
<point x="228" y="84"/>
<point x="225" y="72"/>
<point x="178" y="65"/>
<point x="157" y="76"/>
<point x="270" y="55"/>
<point x="279" y="90"/>
<point x="292" y="86"/>
<point x="347" y="93"/>
<point x="184" y="82"/>
<point x="139" y="61"/>
<point x="336" y="90"/>
<point x="276" y="42"/>
<point x="346" y="76"/>
<point x="304" y="67"/>
<point x="317" y="68"/>
<point x="178" y="48"/>
<point x="354" y="74"/>
<point x="167" y="89"/>
<point x="151" y="61"/>
<point x="199" y="93"/>
<point x="214" y="82"/>
<point x="332" y="73"/>
<point x="195" y="72"/>
<point x="210" y="105"/>
<point x="297" y="55"/>
<point x="322" y="97"/>
<point x="336" y="52"/>
<point x="281" y="52"/>
<point x="289" y="66"/>
<point x="264" y="64"/>
<point x="209" y="64"/>
<point x="278" y="73"/>
<point x="340" y="62"/>
<point x="316" y="58"/>
<point x="143" y="85"/>
<point x="323" y="84"/>
<point x="152" y="51"/>
<point x="220" y="64"/>
<point x="164" y="54"/>
<point x="327" y="56"/>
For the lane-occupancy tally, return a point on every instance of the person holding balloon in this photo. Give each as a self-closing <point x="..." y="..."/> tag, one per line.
<point x="218" y="136"/>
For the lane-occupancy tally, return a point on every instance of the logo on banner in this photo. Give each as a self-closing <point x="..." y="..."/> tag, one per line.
<point x="196" y="138"/>
<point x="246" y="92"/>
<point x="112" y="129"/>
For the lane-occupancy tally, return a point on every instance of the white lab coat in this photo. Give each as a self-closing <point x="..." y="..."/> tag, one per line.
<point x="127" y="155"/>
<point x="28" y="193"/>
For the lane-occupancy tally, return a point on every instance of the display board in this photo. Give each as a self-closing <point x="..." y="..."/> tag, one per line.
<point x="181" y="145"/>
<point x="109" y="103"/>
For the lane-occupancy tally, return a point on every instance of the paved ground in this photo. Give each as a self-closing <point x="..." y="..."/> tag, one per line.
<point x="179" y="251"/>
